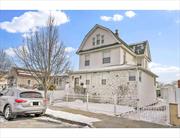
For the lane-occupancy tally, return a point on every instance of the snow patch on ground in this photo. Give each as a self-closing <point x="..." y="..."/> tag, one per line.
<point x="43" y="118"/>
<point x="2" y="119"/>
<point x="71" y="117"/>
<point x="96" y="107"/>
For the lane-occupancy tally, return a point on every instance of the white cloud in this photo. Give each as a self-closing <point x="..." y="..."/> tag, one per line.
<point x="31" y="20"/>
<point x="10" y="52"/>
<point x="130" y="14"/>
<point x="115" y="18"/>
<point x="69" y="49"/>
<point x="105" y="18"/>
<point x="166" y="73"/>
<point x="159" y="68"/>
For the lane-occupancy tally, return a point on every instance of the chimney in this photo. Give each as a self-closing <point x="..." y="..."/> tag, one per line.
<point x="116" y="33"/>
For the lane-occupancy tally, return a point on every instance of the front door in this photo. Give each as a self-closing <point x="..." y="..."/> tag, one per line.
<point x="76" y="82"/>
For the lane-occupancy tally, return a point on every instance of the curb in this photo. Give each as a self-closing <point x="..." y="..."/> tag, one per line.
<point x="69" y="121"/>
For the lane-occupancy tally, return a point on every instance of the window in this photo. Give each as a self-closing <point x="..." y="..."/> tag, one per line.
<point x="103" y="81"/>
<point x="87" y="82"/>
<point x="124" y="58"/>
<point x="145" y="64"/>
<point x="76" y="82"/>
<point x="60" y="81"/>
<point x="132" y="76"/>
<point x="106" y="57"/>
<point x="102" y="39"/>
<point x="30" y="94"/>
<point x="87" y="61"/>
<point x="29" y="82"/>
<point x="140" y="76"/>
<point x="98" y="39"/>
<point x="94" y="41"/>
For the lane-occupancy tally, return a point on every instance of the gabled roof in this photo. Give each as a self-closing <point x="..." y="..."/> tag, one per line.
<point x="92" y="30"/>
<point x="137" y="48"/>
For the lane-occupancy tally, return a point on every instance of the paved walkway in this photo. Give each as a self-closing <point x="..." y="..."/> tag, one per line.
<point x="110" y="121"/>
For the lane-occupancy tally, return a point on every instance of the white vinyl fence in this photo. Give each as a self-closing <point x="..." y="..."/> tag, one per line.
<point x="119" y="106"/>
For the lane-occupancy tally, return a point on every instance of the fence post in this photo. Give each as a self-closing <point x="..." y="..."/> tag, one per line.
<point x="138" y="110"/>
<point x="87" y="98"/>
<point x="51" y="97"/>
<point x="167" y="113"/>
<point x="115" y="103"/>
<point x="66" y="96"/>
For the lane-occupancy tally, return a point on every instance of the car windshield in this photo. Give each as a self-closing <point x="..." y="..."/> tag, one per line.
<point x="30" y="94"/>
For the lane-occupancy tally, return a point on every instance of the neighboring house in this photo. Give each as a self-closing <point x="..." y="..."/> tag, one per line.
<point x="20" y="77"/>
<point x="107" y="63"/>
<point x="3" y="79"/>
<point x="171" y="93"/>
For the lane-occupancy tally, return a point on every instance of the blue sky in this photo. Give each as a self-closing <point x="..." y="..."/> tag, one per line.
<point x="160" y="28"/>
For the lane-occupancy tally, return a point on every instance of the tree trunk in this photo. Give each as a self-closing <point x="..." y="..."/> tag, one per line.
<point x="45" y="94"/>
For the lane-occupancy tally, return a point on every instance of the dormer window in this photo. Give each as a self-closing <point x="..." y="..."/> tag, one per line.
<point x="98" y="39"/>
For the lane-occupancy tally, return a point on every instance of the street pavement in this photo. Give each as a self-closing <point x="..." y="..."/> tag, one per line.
<point x="35" y="122"/>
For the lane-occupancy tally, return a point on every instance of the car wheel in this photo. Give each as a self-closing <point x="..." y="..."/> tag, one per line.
<point x="8" y="115"/>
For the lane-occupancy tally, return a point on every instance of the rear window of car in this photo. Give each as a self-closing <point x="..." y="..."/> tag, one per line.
<point x="30" y="94"/>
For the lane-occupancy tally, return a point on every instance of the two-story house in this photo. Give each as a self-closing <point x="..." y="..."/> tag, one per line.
<point x="20" y="77"/>
<point x="107" y="63"/>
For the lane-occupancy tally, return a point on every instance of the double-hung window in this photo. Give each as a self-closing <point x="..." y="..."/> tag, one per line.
<point x="98" y="39"/>
<point x="102" y="39"/>
<point x="94" y="41"/>
<point x="87" y="60"/>
<point x="132" y="76"/>
<point x="106" y="57"/>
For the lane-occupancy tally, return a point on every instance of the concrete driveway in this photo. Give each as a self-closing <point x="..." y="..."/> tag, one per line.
<point x="35" y="122"/>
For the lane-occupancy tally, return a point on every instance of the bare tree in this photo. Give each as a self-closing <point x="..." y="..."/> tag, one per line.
<point x="43" y="54"/>
<point x="5" y="62"/>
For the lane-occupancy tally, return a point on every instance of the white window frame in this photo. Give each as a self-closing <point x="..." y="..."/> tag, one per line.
<point x="87" y="60"/>
<point x="98" y="39"/>
<point x="132" y="76"/>
<point x="106" y="57"/>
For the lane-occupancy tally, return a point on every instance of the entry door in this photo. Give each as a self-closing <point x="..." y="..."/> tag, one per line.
<point x="76" y="82"/>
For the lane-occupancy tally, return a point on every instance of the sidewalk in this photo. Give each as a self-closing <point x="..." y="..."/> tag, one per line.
<point x="109" y="121"/>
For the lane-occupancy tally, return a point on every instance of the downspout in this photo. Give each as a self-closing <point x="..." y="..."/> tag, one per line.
<point x="137" y="80"/>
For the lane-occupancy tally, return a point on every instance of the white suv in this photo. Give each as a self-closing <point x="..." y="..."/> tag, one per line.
<point x="15" y="101"/>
